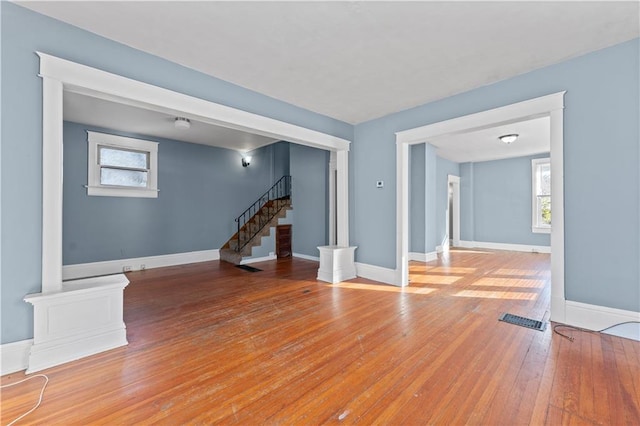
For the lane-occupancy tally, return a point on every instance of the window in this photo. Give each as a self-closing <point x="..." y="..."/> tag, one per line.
<point x="541" y="195"/>
<point x="122" y="167"/>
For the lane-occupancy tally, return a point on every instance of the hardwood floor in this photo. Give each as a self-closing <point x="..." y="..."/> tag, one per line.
<point x="210" y="343"/>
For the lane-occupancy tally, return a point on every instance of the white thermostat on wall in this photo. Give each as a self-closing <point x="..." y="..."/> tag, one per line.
<point x="379" y="184"/>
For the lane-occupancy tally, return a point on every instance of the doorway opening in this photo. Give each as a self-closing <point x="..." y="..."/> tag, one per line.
<point x="546" y="106"/>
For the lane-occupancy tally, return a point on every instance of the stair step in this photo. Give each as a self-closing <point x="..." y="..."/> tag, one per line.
<point x="256" y="227"/>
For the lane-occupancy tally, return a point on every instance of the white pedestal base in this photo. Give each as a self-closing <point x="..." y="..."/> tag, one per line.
<point x="83" y="319"/>
<point x="336" y="264"/>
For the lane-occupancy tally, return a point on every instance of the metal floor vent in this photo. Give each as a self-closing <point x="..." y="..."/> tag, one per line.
<point x="248" y="268"/>
<point x="523" y="322"/>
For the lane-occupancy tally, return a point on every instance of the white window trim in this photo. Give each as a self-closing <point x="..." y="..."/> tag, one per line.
<point x="120" y="142"/>
<point x="535" y="227"/>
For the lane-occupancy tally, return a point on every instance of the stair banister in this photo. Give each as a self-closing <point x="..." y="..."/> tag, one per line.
<point x="277" y="194"/>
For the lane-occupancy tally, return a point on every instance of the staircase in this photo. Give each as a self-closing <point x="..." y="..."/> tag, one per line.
<point x="257" y="220"/>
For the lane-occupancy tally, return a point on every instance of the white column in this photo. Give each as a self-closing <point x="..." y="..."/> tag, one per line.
<point x="402" y="214"/>
<point x="342" y="201"/>
<point x="337" y="261"/>
<point x="51" y="185"/>
<point x="332" y="197"/>
<point x="557" y="227"/>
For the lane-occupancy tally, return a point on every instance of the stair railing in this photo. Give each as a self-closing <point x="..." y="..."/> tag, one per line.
<point x="256" y="217"/>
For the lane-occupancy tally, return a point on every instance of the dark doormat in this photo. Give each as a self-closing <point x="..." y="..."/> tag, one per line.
<point x="523" y="322"/>
<point x="248" y="268"/>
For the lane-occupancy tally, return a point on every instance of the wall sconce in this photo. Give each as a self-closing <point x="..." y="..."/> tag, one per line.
<point x="246" y="161"/>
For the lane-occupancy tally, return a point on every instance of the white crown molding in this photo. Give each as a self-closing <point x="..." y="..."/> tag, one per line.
<point x="15" y="356"/>
<point x="94" y="269"/>
<point x="510" y="113"/>
<point x="86" y="80"/>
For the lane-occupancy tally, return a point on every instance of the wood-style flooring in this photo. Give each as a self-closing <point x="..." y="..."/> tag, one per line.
<point x="210" y="343"/>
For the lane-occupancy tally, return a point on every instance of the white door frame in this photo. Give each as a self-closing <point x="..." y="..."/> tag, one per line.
<point x="546" y="106"/>
<point x="60" y="76"/>
<point x="455" y="204"/>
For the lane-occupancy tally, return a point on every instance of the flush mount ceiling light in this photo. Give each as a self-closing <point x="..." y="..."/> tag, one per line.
<point x="509" y="139"/>
<point x="182" y="123"/>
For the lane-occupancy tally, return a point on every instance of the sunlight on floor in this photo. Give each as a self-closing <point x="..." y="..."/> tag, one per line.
<point x="453" y="270"/>
<point x="486" y="294"/>
<point x="433" y="279"/>
<point x="387" y="288"/>
<point x="509" y="282"/>
<point x="517" y="272"/>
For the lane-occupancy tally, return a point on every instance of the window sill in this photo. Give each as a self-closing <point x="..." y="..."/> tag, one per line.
<point x="102" y="191"/>
<point x="537" y="230"/>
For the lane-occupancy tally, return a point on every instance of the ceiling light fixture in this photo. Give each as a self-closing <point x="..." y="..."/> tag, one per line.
<point x="509" y="139"/>
<point x="182" y="123"/>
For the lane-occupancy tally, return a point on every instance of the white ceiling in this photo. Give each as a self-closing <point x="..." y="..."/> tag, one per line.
<point x="356" y="61"/>
<point x="484" y="145"/>
<point x="111" y="115"/>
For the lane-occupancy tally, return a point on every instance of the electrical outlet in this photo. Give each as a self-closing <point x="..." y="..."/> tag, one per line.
<point x="143" y="267"/>
<point x="126" y="268"/>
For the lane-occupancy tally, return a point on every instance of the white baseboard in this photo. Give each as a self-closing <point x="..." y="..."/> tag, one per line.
<point x="94" y="269"/>
<point x="376" y="273"/>
<point x="248" y="260"/>
<point x="14" y="356"/>
<point x="628" y="331"/>
<point x="505" y="246"/>
<point x="423" y="257"/>
<point x="594" y="317"/>
<point x="439" y="249"/>
<point x="307" y="257"/>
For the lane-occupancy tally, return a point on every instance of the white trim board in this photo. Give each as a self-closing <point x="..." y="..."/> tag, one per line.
<point x="376" y="273"/>
<point x="249" y="260"/>
<point x="551" y="106"/>
<point x="505" y="246"/>
<point x="307" y="257"/>
<point x="61" y="76"/>
<point x="423" y="257"/>
<point x="594" y="317"/>
<point x="94" y="269"/>
<point x="15" y="356"/>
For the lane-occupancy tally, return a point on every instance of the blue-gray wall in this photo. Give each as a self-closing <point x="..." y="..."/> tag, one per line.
<point x="444" y="168"/>
<point x="23" y="33"/>
<point x="601" y="156"/>
<point x="500" y="211"/>
<point x="202" y="190"/>
<point x="309" y="181"/>
<point x="417" y="202"/>
<point x="428" y="197"/>
<point x="601" y="152"/>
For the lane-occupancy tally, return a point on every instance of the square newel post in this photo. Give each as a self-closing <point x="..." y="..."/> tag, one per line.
<point x="336" y="264"/>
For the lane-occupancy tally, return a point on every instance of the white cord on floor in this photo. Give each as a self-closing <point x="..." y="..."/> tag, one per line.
<point x="46" y="380"/>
